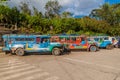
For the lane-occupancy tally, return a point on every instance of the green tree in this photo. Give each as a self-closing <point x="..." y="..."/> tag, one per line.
<point x="107" y="12"/>
<point x="3" y="2"/>
<point x="66" y="14"/>
<point x="4" y="14"/>
<point x="14" y="17"/>
<point x="52" y="9"/>
<point x="25" y="8"/>
<point x="102" y="13"/>
<point x="37" y="13"/>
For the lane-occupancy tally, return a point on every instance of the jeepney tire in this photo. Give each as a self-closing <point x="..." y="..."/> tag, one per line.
<point x="93" y="48"/>
<point x="109" y="47"/>
<point x="56" y="51"/>
<point x="20" y="52"/>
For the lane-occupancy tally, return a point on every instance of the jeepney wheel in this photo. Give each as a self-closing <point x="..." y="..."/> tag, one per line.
<point x="56" y="51"/>
<point x="93" y="48"/>
<point x="20" y="52"/>
<point x="109" y="47"/>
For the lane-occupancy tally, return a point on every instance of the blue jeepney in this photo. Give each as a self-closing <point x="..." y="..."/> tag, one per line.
<point x="103" y="42"/>
<point x="20" y="44"/>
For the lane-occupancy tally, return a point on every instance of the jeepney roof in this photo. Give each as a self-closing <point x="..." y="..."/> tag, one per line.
<point x="18" y="35"/>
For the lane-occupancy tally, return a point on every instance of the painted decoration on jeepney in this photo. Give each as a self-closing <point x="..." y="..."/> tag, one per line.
<point x="36" y="47"/>
<point x="27" y="48"/>
<point x="74" y="42"/>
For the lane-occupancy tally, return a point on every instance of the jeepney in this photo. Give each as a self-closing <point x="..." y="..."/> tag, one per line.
<point x="73" y="42"/>
<point x="103" y="41"/>
<point x="21" y="44"/>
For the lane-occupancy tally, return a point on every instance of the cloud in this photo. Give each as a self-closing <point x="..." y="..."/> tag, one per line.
<point x="76" y="7"/>
<point x="39" y="4"/>
<point x="80" y="7"/>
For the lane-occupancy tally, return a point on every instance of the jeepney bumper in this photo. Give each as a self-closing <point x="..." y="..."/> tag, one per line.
<point x="5" y="49"/>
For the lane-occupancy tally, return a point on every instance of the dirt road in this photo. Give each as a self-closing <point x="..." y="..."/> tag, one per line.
<point x="80" y="65"/>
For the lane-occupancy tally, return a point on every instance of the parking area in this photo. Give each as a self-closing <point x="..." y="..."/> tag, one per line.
<point x="78" y="65"/>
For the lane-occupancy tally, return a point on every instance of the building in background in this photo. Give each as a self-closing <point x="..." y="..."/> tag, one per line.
<point x="112" y="1"/>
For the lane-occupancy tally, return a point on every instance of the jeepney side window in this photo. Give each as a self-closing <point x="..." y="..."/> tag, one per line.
<point x="73" y="39"/>
<point x="62" y="39"/>
<point x="77" y="37"/>
<point x="38" y="40"/>
<point x="57" y="39"/>
<point x="24" y="39"/>
<point x="54" y="39"/>
<point x="113" y="39"/>
<point x="51" y="39"/>
<point x="82" y="39"/>
<point x="88" y="39"/>
<point x="96" y="39"/>
<point x="106" y="38"/>
<point x="43" y="40"/>
<point x="19" y="39"/>
<point x="68" y="39"/>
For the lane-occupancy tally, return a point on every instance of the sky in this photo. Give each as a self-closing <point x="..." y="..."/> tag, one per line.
<point x="112" y="1"/>
<point x="76" y="7"/>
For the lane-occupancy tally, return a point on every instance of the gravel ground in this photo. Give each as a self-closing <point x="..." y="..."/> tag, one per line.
<point x="78" y="65"/>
